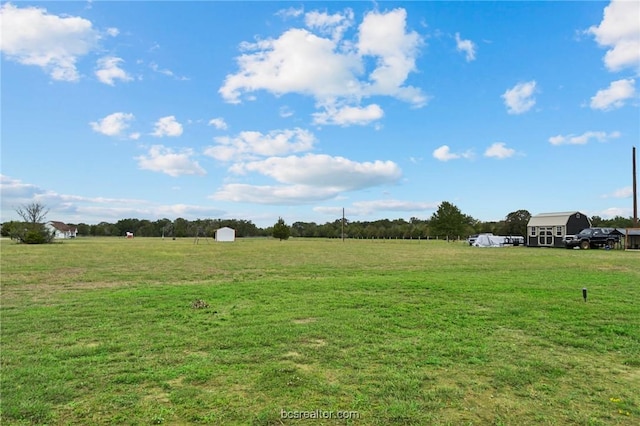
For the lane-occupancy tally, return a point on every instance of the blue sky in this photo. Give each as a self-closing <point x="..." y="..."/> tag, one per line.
<point x="255" y="110"/>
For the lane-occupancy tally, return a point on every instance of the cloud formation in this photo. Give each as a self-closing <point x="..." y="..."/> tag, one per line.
<point x="626" y="192"/>
<point x="108" y="70"/>
<point x="167" y="126"/>
<point x="615" y="96"/>
<point x="165" y="160"/>
<point x="619" y="31"/>
<point x="307" y="179"/>
<point x="333" y="70"/>
<point x="218" y="123"/>
<point x="251" y="144"/>
<point x="32" y="36"/>
<point x="520" y="98"/>
<point x="466" y="46"/>
<point x="500" y="151"/>
<point x="583" y="139"/>
<point x="114" y="124"/>
<point x="348" y="115"/>
<point x="444" y="153"/>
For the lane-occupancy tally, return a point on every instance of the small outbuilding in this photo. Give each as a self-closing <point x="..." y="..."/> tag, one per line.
<point x="632" y="239"/>
<point x="549" y="229"/>
<point x="226" y="234"/>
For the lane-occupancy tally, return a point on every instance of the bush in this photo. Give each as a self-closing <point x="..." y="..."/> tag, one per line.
<point x="35" y="235"/>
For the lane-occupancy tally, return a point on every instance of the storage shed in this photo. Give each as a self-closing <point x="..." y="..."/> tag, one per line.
<point x="632" y="239"/>
<point x="226" y="234"/>
<point x="549" y="229"/>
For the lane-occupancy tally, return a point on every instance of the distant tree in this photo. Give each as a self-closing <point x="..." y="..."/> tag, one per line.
<point x="32" y="213"/>
<point x="83" y="229"/>
<point x="596" y="220"/>
<point x="516" y="223"/>
<point x="34" y="230"/>
<point x="449" y="221"/>
<point x="281" y="230"/>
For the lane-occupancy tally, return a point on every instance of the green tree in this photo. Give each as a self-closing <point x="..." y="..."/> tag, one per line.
<point x="516" y="223"/>
<point x="281" y="230"/>
<point x="449" y="221"/>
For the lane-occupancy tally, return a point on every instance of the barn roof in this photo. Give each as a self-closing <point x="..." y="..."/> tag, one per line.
<point x="551" y="219"/>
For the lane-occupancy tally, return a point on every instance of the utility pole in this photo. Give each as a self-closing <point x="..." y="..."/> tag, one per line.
<point x="343" y="224"/>
<point x="635" y="190"/>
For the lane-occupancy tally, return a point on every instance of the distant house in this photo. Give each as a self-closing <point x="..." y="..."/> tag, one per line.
<point x="549" y="229"/>
<point x="226" y="234"/>
<point x="62" y="230"/>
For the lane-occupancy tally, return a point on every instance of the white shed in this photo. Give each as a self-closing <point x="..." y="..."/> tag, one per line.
<point x="226" y="234"/>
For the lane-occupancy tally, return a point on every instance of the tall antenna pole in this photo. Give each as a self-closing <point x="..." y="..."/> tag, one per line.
<point x="635" y="190"/>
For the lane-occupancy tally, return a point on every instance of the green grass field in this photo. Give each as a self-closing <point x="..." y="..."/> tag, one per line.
<point x="105" y="331"/>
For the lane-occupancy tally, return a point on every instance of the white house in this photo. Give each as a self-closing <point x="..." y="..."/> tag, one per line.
<point x="62" y="230"/>
<point x="226" y="234"/>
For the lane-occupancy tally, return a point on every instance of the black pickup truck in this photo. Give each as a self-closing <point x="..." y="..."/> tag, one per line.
<point x="592" y="238"/>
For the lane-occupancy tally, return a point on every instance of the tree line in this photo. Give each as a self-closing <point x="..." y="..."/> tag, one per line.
<point x="448" y="222"/>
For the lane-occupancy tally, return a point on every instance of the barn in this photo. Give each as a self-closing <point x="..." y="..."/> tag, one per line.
<point x="549" y="229"/>
<point x="226" y="234"/>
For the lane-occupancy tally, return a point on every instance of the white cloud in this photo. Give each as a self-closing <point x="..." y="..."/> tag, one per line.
<point x="444" y="153"/>
<point x="165" y="160"/>
<point x="324" y="171"/>
<point x="77" y="208"/>
<point x="113" y="32"/>
<point x="218" y="123"/>
<point x="615" y="95"/>
<point x="500" y="151"/>
<point x="333" y="71"/>
<point x="334" y="25"/>
<point x="466" y="46"/>
<point x="273" y="195"/>
<point x="367" y="207"/>
<point x="626" y="192"/>
<point x="109" y="70"/>
<point x="167" y="126"/>
<point x="249" y="144"/>
<point x="583" y="138"/>
<point x="113" y="124"/>
<point x="165" y="71"/>
<point x="619" y="30"/>
<point x="347" y="115"/>
<point x="519" y="98"/>
<point x="612" y="212"/>
<point x="291" y="12"/>
<point x="32" y="36"/>
<point x="384" y="36"/>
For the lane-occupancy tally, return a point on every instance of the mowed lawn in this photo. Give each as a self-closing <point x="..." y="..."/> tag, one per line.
<point x="106" y="331"/>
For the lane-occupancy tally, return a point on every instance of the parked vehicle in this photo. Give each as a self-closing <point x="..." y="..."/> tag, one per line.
<point x="472" y="238"/>
<point x="592" y="238"/>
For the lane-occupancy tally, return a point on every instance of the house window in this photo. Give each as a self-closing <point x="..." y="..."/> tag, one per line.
<point x="532" y="231"/>
<point x="559" y="231"/>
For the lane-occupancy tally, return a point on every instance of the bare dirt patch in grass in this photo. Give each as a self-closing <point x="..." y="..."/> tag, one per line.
<point x="304" y="320"/>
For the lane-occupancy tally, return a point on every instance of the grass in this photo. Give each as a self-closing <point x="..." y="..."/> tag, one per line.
<point x="105" y="331"/>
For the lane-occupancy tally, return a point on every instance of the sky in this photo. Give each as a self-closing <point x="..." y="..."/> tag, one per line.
<point x="293" y="109"/>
